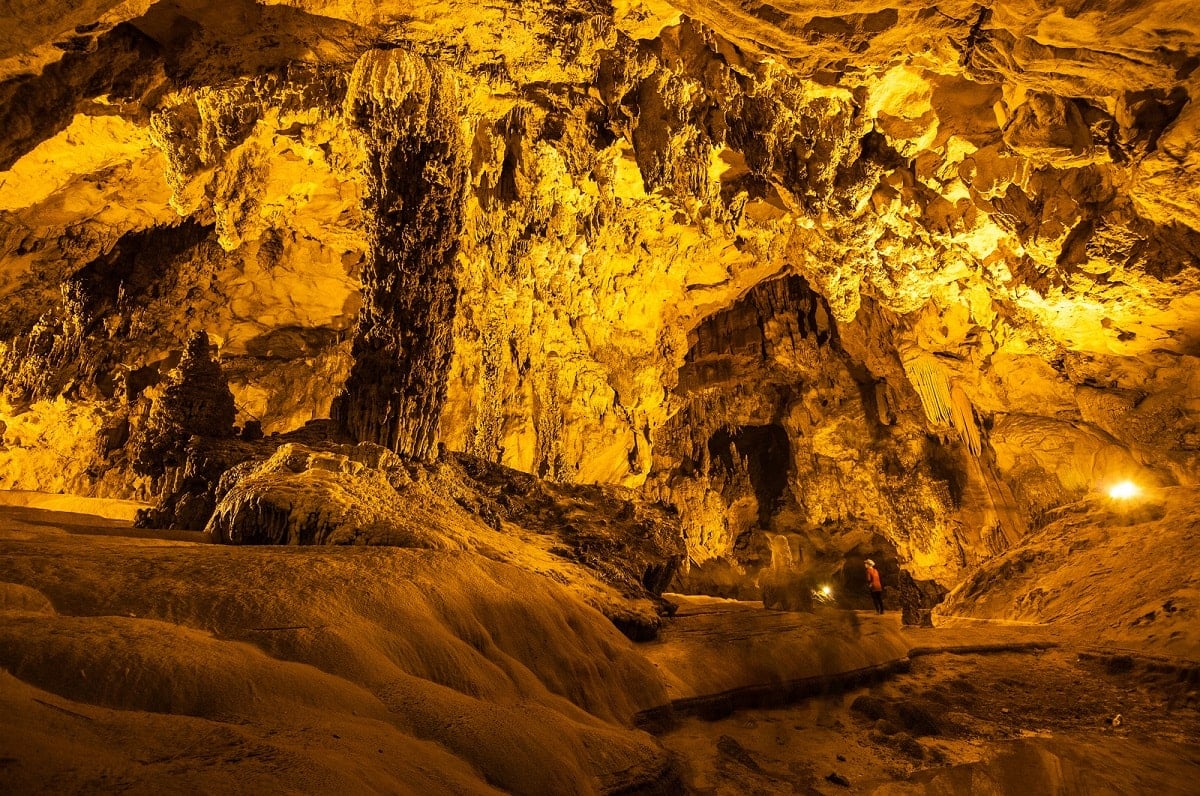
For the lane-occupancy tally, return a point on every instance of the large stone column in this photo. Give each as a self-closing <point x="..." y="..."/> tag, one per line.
<point x="407" y="111"/>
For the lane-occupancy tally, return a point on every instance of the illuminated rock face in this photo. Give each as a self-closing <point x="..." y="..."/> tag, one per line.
<point x="896" y="282"/>
<point x="792" y="453"/>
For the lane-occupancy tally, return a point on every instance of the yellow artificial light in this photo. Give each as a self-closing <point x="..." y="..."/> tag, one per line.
<point x="1124" y="490"/>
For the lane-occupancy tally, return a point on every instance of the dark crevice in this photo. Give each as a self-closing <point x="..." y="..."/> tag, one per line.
<point x="34" y="108"/>
<point x="765" y="454"/>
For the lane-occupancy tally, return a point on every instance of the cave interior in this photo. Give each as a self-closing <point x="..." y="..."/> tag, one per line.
<point x="515" y="393"/>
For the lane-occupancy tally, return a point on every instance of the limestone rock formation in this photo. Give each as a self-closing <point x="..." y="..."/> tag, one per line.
<point x="196" y="401"/>
<point x="896" y="281"/>
<point x="472" y="676"/>
<point x="539" y="310"/>
<point x="612" y="551"/>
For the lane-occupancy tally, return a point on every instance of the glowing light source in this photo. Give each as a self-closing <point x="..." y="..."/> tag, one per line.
<point x="827" y="590"/>
<point x="1124" y="490"/>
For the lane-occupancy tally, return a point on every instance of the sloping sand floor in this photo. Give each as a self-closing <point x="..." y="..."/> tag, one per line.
<point x="1116" y="573"/>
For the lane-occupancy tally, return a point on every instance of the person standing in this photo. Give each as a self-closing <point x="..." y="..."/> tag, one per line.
<point x="875" y="585"/>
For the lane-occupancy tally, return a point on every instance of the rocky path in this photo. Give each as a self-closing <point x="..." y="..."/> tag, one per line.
<point x="1036" y="722"/>
<point x="721" y="655"/>
<point x="870" y="706"/>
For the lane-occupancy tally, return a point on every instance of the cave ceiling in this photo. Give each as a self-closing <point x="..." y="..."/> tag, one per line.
<point x="582" y="238"/>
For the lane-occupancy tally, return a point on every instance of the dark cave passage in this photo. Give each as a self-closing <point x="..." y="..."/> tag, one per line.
<point x="766" y="455"/>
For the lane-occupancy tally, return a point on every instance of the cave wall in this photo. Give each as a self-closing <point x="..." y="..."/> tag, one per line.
<point x="791" y="455"/>
<point x="533" y="232"/>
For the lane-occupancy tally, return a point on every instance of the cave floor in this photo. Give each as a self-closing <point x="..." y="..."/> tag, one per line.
<point x="970" y="706"/>
<point x="1033" y="722"/>
<point x="718" y="654"/>
<point x="834" y="701"/>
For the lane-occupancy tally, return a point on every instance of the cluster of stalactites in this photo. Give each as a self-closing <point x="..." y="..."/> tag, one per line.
<point x="945" y="403"/>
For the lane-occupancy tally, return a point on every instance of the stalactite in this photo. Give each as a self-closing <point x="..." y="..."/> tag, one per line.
<point x="944" y="404"/>
<point x="962" y="415"/>
<point x="929" y="380"/>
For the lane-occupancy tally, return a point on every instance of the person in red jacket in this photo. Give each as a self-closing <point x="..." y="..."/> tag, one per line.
<point x="875" y="585"/>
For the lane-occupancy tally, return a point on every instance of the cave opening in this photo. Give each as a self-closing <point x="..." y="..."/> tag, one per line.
<point x="764" y="453"/>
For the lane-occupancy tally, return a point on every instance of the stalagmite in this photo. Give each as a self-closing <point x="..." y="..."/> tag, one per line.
<point x="406" y="110"/>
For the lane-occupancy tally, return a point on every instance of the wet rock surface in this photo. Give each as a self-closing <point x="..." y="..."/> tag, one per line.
<point x="315" y="668"/>
<point x="617" y="551"/>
